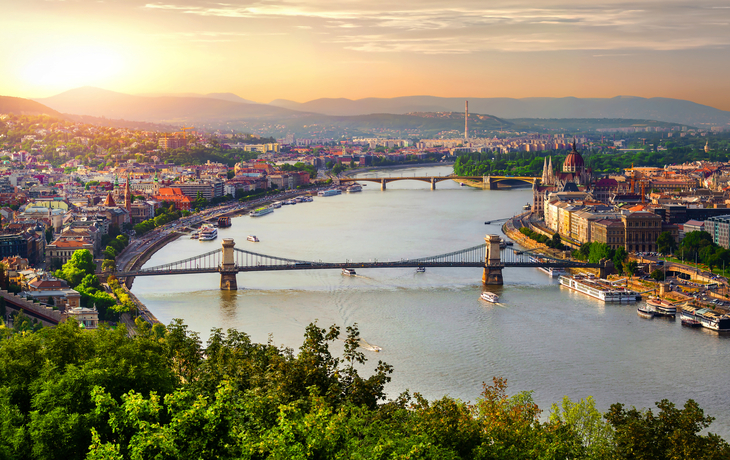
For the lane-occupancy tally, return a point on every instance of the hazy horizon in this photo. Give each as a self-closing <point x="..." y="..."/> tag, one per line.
<point x="263" y="50"/>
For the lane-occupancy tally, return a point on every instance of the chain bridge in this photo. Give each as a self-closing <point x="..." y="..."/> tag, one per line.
<point x="229" y="261"/>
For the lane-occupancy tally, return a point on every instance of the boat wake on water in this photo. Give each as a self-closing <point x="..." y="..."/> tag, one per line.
<point x="370" y="347"/>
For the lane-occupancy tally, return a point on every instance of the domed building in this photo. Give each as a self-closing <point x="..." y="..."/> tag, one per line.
<point x="573" y="162"/>
<point x="574" y="169"/>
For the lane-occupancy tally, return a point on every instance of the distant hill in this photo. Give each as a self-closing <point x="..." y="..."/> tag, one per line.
<point x="660" y="109"/>
<point x="20" y="106"/>
<point x="163" y="109"/>
<point x="222" y="96"/>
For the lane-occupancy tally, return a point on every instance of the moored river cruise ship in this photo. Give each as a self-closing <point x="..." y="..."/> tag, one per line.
<point x="707" y="318"/>
<point x="599" y="289"/>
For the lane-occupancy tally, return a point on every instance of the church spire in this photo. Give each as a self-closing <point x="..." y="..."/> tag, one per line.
<point x="550" y="171"/>
<point x="127" y="196"/>
<point x="544" y="172"/>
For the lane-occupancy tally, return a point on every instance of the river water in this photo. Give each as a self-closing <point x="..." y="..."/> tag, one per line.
<point x="440" y="338"/>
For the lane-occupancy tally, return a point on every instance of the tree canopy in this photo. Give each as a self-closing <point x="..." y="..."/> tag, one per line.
<point x="69" y="393"/>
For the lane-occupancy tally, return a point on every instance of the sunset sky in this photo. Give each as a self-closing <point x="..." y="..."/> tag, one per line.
<point x="303" y="50"/>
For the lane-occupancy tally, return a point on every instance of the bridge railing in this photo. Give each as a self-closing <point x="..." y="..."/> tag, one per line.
<point x="475" y="254"/>
<point x="244" y="258"/>
<point x="208" y="260"/>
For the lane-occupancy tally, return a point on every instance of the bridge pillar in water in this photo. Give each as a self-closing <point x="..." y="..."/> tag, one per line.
<point x="433" y="183"/>
<point x="492" y="262"/>
<point x="382" y="184"/>
<point x="227" y="268"/>
<point x="489" y="183"/>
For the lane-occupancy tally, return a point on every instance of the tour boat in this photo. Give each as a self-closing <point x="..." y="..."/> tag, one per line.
<point x="489" y="297"/>
<point x="689" y="322"/>
<point x="330" y="192"/>
<point x="276" y="204"/>
<point x="662" y="307"/>
<point x="194" y="235"/>
<point x="252" y="238"/>
<point x="599" y="289"/>
<point x="208" y="233"/>
<point x="421" y="270"/>
<point x="354" y="188"/>
<point x="349" y="272"/>
<point x="261" y="212"/>
<point x="552" y="272"/>
<point x="708" y="318"/>
<point x="645" y="312"/>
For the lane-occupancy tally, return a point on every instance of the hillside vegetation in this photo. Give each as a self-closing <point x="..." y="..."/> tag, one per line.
<point x="68" y="393"/>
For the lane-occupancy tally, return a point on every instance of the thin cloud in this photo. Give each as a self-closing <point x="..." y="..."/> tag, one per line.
<point x="468" y="27"/>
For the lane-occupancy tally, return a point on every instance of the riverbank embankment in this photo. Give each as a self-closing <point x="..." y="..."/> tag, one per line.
<point x="137" y="262"/>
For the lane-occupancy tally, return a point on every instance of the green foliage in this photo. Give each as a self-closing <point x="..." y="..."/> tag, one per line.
<point x="93" y="295"/>
<point x="79" y="265"/>
<point x="165" y="216"/>
<point x="125" y="304"/>
<point x="555" y="242"/>
<point x="69" y="393"/>
<point x="630" y="267"/>
<point x="587" y="422"/>
<point x="699" y="246"/>
<point x="665" y="243"/>
<point x="657" y="275"/>
<point x="671" y="434"/>
<point x="619" y="257"/>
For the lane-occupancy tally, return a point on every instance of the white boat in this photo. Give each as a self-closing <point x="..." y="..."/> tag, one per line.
<point x="307" y="199"/>
<point x="252" y="238"/>
<point x="708" y="318"/>
<point x="489" y="297"/>
<point x="292" y="201"/>
<point x="330" y="192"/>
<point x="354" y="188"/>
<point x="261" y="212"/>
<point x="276" y="204"/>
<point x="421" y="270"/>
<point x="662" y="307"/>
<point x="552" y="272"/>
<point x="208" y="233"/>
<point x="599" y="289"/>
<point x="348" y="272"/>
<point x="645" y="312"/>
<point x="194" y="235"/>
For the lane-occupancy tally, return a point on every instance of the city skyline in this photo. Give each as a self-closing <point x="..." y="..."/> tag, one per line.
<point x="304" y="50"/>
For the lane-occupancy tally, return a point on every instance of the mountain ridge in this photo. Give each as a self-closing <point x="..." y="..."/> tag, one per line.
<point x="631" y="107"/>
<point x="99" y="102"/>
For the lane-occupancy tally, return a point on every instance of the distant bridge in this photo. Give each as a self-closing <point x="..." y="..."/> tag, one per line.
<point x="488" y="182"/>
<point x="229" y="261"/>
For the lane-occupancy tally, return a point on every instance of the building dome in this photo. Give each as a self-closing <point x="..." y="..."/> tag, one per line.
<point x="573" y="162"/>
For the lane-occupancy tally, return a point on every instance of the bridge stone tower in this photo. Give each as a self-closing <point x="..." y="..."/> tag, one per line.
<point x="228" y="266"/>
<point x="492" y="262"/>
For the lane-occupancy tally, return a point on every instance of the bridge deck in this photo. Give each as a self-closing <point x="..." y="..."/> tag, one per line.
<point x="339" y="266"/>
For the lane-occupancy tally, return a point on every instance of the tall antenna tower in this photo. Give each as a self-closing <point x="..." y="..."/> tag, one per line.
<point x="466" y="120"/>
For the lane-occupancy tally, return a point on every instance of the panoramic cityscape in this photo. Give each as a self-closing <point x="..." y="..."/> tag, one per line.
<point x="274" y="230"/>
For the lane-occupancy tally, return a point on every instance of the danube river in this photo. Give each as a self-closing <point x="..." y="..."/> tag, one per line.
<point x="432" y="327"/>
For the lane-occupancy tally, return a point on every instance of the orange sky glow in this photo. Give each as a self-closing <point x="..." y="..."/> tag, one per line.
<point x="303" y="50"/>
